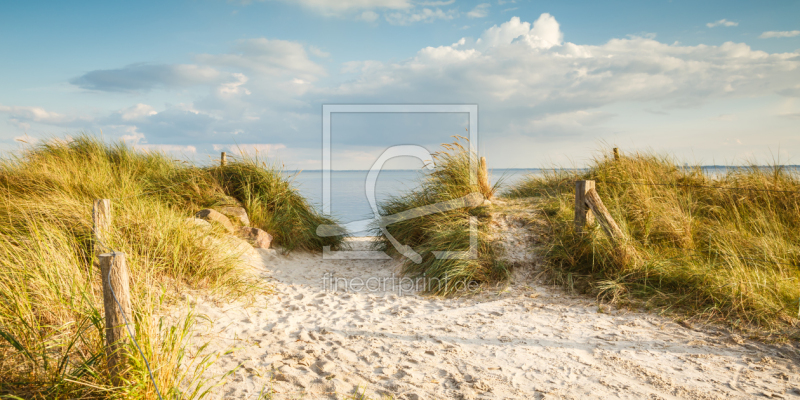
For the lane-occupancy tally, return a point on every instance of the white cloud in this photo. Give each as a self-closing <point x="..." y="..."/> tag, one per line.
<point x="168" y="148"/>
<point x="522" y="72"/>
<point x="131" y="135"/>
<point x="338" y="7"/>
<point x="423" y="15"/>
<point x="480" y="11"/>
<point x="505" y="33"/>
<point x="779" y="34"/>
<point x="646" y="35"/>
<point x="369" y="16"/>
<point x="272" y="57"/>
<point x="24" y="116"/>
<point x="317" y="52"/>
<point x="37" y="114"/>
<point x="137" y="112"/>
<point x="722" y="22"/>
<point x="545" y="33"/>
<point x="231" y="89"/>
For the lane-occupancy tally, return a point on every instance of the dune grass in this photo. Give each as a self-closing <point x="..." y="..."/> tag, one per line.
<point x="51" y="312"/>
<point x="274" y="204"/>
<point x="445" y="231"/>
<point x="717" y="254"/>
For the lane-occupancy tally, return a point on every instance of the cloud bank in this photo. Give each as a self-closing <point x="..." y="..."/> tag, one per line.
<point x="779" y="34"/>
<point x="527" y="81"/>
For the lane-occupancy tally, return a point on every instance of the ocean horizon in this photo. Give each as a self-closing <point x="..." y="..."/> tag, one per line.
<point x="348" y="189"/>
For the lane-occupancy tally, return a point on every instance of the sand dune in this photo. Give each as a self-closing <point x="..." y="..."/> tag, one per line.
<point x="523" y="341"/>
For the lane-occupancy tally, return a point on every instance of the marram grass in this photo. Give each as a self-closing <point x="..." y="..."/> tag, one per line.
<point x="724" y="247"/>
<point x="445" y="231"/>
<point x="51" y="309"/>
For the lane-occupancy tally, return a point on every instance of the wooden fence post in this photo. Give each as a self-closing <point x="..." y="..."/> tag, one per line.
<point x="101" y="219"/>
<point x="116" y="329"/>
<point x="616" y="154"/>
<point x="603" y="216"/>
<point x="484" y="182"/>
<point x="583" y="216"/>
<point x="588" y="206"/>
<point x="223" y="159"/>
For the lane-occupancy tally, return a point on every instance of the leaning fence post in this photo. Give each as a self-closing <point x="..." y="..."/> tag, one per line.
<point x="223" y="159"/>
<point x="117" y="304"/>
<point x="603" y="216"/>
<point x="616" y="154"/>
<point x="583" y="215"/>
<point x="101" y="219"/>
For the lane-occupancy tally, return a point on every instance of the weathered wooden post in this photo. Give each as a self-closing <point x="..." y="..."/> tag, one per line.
<point x="583" y="215"/>
<point x="588" y="206"/>
<point x="117" y="304"/>
<point x="484" y="180"/>
<point x="101" y="219"/>
<point x="223" y="159"/>
<point x="603" y="216"/>
<point x="616" y="154"/>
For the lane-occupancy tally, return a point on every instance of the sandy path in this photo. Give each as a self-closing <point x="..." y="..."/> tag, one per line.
<point x="529" y="341"/>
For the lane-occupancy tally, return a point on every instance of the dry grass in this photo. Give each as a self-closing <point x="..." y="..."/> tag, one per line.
<point x="716" y="254"/>
<point x="51" y="316"/>
<point x="445" y="231"/>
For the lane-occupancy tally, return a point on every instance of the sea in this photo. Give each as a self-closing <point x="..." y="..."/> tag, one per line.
<point x="348" y="188"/>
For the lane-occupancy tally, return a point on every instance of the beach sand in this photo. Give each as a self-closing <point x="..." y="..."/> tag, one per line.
<point x="525" y="340"/>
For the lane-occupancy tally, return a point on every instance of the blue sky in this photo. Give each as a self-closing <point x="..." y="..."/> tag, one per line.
<point x="712" y="82"/>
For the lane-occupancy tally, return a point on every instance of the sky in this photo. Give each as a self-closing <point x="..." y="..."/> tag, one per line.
<point x="556" y="83"/>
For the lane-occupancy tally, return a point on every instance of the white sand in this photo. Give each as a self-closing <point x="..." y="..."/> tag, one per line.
<point x="530" y="341"/>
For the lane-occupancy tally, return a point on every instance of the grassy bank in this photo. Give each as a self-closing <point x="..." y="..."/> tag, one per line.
<point x="445" y="231"/>
<point x="722" y="248"/>
<point x="51" y="313"/>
